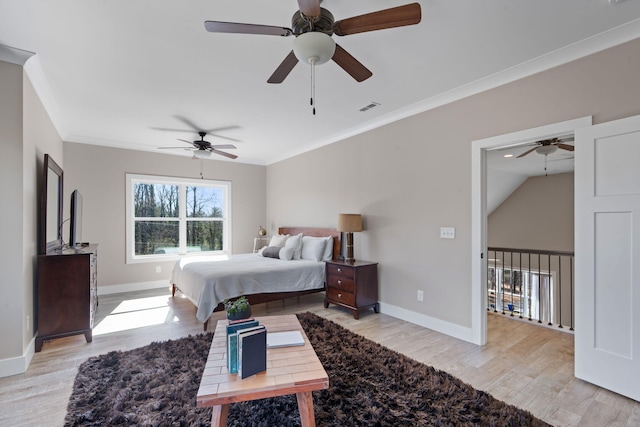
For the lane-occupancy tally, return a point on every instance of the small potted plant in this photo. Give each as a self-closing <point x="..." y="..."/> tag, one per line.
<point x="237" y="309"/>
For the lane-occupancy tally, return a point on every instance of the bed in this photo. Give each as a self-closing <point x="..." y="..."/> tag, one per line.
<point x="208" y="281"/>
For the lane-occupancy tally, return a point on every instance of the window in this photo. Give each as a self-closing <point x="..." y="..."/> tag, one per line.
<point x="168" y="217"/>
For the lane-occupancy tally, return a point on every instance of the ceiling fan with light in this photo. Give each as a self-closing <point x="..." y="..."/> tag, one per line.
<point x="203" y="149"/>
<point x="313" y="27"/>
<point x="549" y="146"/>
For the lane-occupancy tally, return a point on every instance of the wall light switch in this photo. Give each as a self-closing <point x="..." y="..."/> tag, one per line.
<point x="158" y="269"/>
<point x="447" y="232"/>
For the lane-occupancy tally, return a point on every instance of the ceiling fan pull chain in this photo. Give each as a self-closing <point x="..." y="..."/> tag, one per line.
<point x="313" y="86"/>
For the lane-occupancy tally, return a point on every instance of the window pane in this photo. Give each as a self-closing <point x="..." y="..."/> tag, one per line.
<point x="204" y="236"/>
<point x="156" y="237"/>
<point x="204" y="202"/>
<point x="155" y="200"/>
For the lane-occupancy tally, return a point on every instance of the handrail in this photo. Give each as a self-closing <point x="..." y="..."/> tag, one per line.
<point x="532" y="251"/>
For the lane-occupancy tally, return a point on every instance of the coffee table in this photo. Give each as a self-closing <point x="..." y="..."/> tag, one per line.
<point x="290" y="370"/>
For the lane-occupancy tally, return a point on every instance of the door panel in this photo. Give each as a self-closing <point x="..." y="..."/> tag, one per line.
<point x="607" y="255"/>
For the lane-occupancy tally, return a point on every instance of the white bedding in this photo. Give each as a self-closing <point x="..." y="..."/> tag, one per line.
<point x="207" y="281"/>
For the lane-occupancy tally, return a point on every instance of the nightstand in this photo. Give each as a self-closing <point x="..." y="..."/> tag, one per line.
<point x="352" y="285"/>
<point x="260" y="242"/>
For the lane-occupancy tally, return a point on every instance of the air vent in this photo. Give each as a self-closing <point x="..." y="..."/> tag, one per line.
<point x="369" y="107"/>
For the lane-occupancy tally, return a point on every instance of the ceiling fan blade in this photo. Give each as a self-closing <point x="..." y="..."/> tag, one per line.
<point x="240" y="28"/>
<point x="400" y="16"/>
<point x="220" y="129"/>
<point x="309" y="8"/>
<point x="283" y="69"/>
<point x="223" y="153"/>
<point x="565" y="147"/>
<point x="527" y="152"/>
<point x="223" y="137"/>
<point x="350" y="64"/>
<point x="223" y="146"/>
<point x="188" y="142"/>
<point x="173" y="148"/>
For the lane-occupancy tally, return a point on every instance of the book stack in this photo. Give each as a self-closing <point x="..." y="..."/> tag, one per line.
<point x="246" y="348"/>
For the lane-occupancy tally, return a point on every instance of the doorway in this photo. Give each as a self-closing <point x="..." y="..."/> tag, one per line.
<point x="479" y="209"/>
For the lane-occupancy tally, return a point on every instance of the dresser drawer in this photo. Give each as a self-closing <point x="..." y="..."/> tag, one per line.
<point x="339" y="295"/>
<point x="340" y="271"/>
<point x="340" y="283"/>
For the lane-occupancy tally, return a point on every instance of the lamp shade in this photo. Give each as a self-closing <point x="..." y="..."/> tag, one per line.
<point x="546" y="149"/>
<point x="202" y="154"/>
<point x="314" y="48"/>
<point x="349" y="222"/>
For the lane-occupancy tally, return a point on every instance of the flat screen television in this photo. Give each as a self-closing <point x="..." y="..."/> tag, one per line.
<point x="75" y="221"/>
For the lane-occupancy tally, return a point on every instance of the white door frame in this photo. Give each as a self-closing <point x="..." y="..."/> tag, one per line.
<point x="479" y="210"/>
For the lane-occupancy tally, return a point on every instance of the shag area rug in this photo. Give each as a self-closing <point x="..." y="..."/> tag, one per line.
<point x="370" y="385"/>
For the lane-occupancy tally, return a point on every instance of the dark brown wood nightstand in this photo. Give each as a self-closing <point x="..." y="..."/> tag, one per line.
<point x="352" y="285"/>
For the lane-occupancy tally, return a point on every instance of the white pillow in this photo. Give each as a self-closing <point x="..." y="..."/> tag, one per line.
<point x="278" y="240"/>
<point x="313" y="248"/>
<point x="286" y="254"/>
<point x="295" y="242"/>
<point x="328" y="249"/>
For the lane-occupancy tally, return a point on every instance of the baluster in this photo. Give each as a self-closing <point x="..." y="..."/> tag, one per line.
<point x="559" y="291"/>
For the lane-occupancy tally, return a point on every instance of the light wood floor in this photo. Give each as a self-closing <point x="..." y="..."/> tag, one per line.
<point x="525" y="365"/>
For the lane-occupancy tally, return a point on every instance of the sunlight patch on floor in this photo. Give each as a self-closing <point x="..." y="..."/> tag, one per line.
<point x="136" y="313"/>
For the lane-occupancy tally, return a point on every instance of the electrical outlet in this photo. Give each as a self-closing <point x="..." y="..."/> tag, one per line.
<point x="420" y="295"/>
<point x="28" y="323"/>
<point x="158" y="269"/>
<point x="447" y="232"/>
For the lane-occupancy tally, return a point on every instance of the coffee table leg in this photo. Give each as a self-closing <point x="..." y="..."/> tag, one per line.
<point x="219" y="416"/>
<point x="305" y="406"/>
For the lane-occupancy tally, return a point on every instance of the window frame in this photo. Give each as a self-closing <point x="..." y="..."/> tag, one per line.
<point x="132" y="179"/>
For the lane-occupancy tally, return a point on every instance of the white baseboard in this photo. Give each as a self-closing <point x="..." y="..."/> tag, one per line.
<point x="131" y="287"/>
<point x="18" y="365"/>
<point x="437" y="325"/>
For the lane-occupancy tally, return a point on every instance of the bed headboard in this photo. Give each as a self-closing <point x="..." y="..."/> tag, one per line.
<point x="316" y="232"/>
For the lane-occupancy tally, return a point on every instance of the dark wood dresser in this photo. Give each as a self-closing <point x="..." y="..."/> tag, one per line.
<point x="67" y="293"/>
<point x="352" y="285"/>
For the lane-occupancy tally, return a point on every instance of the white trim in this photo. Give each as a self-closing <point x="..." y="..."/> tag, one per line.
<point x="18" y="365"/>
<point x="132" y="287"/>
<point x="432" y="323"/>
<point x="479" y="213"/>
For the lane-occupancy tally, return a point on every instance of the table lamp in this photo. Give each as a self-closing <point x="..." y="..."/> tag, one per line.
<point x="349" y="223"/>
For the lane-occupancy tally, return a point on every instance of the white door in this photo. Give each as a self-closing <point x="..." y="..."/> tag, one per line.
<point x="607" y="255"/>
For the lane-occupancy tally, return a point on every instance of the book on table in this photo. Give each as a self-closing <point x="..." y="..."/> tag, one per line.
<point x="232" y="342"/>
<point x="284" y="339"/>
<point x="252" y="351"/>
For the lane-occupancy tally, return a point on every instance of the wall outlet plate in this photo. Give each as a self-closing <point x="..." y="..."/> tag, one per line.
<point x="447" y="232"/>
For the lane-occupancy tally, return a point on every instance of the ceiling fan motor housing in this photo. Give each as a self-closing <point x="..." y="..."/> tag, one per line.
<point x="323" y="23"/>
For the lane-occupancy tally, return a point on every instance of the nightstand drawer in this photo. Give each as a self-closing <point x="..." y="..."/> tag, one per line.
<point x="339" y="295"/>
<point x="341" y="283"/>
<point x="340" y="271"/>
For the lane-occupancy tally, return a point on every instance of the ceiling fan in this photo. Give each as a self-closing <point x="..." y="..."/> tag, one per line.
<point x="313" y="27"/>
<point x="549" y="146"/>
<point x="203" y="149"/>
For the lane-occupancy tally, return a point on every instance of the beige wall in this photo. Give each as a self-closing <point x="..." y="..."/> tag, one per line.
<point x="11" y="226"/>
<point x="538" y="215"/>
<point x="26" y="133"/>
<point x="99" y="174"/>
<point x="411" y="177"/>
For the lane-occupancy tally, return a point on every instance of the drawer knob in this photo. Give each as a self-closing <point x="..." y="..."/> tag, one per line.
<point x="339" y="295"/>
<point x="339" y="282"/>
<point x="339" y="270"/>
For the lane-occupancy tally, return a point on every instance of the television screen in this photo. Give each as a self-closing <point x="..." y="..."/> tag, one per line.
<point x="75" y="222"/>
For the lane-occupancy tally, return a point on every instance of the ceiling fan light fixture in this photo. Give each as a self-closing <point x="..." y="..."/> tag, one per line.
<point x="546" y="149"/>
<point x="202" y="154"/>
<point x="314" y="48"/>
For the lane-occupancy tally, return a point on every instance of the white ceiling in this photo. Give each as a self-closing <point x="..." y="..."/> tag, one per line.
<point x="110" y="71"/>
